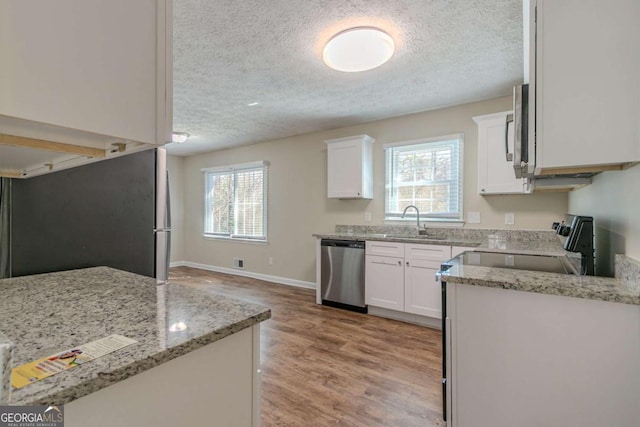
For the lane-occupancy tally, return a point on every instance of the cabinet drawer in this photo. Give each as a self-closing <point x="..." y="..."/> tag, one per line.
<point x="391" y="249"/>
<point x="427" y="252"/>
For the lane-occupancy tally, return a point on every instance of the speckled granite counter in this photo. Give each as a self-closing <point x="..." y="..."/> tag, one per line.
<point x="526" y="242"/>
<point x="625" y="288"/>
<point x="48" y="313"/>
<point x="6" y="348"/>
<point x="400" y="239"/>
<point x="587" y="287"/>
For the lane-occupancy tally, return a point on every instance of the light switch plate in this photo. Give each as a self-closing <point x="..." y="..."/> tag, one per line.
<point x="509" y="218"/>
<point x="367" y="216"/>
<point x="473" y="217"/>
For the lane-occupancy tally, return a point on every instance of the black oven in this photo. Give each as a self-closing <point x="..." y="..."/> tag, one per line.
<point x="443" y="268"/>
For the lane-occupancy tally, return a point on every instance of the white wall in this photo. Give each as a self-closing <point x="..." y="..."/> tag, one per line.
<point x="297" y="202"/>
<point x="175" y="166"/>
<point x="613" y="202"/>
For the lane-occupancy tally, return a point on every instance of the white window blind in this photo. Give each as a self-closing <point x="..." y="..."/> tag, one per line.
<point x="427" y="174"/>
<point x="235" y="201"/>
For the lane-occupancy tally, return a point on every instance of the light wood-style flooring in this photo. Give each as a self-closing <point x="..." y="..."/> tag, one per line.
<point x="325" y="366"/>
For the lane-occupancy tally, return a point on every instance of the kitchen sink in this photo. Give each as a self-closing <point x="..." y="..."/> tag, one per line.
<point x="426" y="237"/>
<point x="421" y="237"/>
<point x="404" y="236"/>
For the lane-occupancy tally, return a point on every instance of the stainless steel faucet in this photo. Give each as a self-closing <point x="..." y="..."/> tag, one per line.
<point x="417" y="215"/>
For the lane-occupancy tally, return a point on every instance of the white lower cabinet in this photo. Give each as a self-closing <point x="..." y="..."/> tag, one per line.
<point x="384" y="286"/>
<point x="524" y="359"/>
<point x="422" y="294"/>
<point x="218" y="384"/>
<point x="405" y="283"/>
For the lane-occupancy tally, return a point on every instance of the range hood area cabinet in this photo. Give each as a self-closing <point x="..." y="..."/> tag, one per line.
<point x="582" y="64"/>
<point x="87" y="73"/>
<point x="495" y="161"/>
<point x="350" y="167"/>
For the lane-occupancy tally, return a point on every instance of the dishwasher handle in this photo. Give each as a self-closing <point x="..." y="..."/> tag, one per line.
<point x="354" y="244"/>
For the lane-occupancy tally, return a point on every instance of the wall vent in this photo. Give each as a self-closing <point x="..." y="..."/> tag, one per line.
<point x="238" y="263"/>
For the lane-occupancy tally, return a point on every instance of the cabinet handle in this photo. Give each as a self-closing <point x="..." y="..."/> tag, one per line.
<point x="407" y="263"/>
<point x="381" y="263"/>
<point x="506" y="138"/>
<point x="400" y="263"/>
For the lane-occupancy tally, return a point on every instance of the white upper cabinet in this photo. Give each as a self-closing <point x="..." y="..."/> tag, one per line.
<point x="350" y="167"/>
<point x="584" y="64"/>
<point x="90" y="68"/>
<point x="495" y="144"/>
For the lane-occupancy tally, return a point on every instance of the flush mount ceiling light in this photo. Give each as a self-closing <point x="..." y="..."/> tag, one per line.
<point x="179" y="137"/>
<point x="358" y="49"/>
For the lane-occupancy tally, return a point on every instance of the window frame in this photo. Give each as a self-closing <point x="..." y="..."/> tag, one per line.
<point x="234" y="169"/>
<point x="425" y="216"/>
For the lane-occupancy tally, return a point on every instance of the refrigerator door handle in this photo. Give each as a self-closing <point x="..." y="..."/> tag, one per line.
<point x="163" y="221"/>
<point x="168" y="216"/>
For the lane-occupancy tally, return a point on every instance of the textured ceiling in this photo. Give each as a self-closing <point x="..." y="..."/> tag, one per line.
<point x="228" y="54"/>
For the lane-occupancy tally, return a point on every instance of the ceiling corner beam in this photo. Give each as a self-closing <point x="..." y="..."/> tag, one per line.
<point x="60" y="147"/>
<point x="11" y="174"/>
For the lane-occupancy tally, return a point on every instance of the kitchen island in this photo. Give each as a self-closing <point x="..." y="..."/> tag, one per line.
<point x="531" y="348"/>
<point x="195" y="359"/>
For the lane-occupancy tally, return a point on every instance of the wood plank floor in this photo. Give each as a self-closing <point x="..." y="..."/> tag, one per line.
<point x="325" y="366"/>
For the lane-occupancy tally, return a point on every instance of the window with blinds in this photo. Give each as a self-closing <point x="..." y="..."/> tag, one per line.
<point x="427" y="174"/>
<point x="235" y="201"/>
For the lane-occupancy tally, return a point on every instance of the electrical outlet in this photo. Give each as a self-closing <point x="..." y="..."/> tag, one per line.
<point x="367" y="216"/>
<point x="509" y="218"/>
<point x="270" y="260"/>
<point x="238" y="263"/>
<point x="473" y="217"/>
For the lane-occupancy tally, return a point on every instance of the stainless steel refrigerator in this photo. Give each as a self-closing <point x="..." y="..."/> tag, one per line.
<point x="111" y="213"/>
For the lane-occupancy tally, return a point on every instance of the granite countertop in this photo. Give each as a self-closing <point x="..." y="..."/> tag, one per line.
<point x="587" y="287"/>
<point x="487" y="244"/>
<point x="525" y="242"/>
<point x="43" y="314"/>
<point x="425" y="240"/>
<point x="6" y="349"/>
<point x="625" y="288"/>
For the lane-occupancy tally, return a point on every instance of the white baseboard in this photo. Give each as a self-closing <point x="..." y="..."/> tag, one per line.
<point x="244" y="273"/>
<point x="406" y="317"/>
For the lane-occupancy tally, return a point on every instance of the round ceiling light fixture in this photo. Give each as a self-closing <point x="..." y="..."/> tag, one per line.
<point x="179" y="137"/>
<point x="358" y="49"/>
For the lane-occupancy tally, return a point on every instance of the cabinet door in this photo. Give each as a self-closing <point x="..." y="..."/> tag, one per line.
<point x="344" y="177"/>
<point x="588" y="63"/>
<point x="495" y="173"/>
<point x="103" y="67"/>
<point x="350" y="167"/>
<point x="422" y="294"/>
<point x="384" y="282"/>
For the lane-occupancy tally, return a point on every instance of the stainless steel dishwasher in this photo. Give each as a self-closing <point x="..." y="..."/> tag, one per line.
<point x="342" y="274"/>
